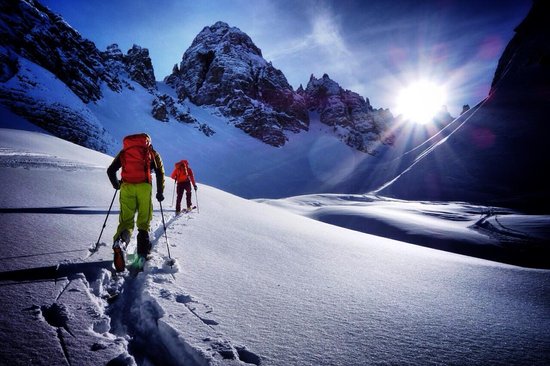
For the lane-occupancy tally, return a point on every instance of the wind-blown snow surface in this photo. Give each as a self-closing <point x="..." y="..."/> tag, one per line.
<point x="493" y="233"/>
<point x="253" y="282"/>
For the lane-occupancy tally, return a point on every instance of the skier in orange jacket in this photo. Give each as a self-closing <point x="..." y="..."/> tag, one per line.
<point x="183" y="175"/>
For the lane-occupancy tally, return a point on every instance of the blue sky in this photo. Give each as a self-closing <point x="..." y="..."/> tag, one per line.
<point x="371" y="47"/>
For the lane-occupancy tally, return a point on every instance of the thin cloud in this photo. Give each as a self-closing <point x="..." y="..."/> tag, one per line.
<point x="325" y="35"/>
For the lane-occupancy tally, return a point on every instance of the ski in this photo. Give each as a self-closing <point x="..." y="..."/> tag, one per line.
<point x="184" y="211"/>
<point x="187" y="210"/>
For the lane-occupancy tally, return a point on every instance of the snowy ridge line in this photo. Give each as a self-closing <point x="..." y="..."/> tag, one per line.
<point x="11" y="158"/>
<point x="440" y="132"/>
<point x="152" y="314"/>
<point x="429" y="149"/>
<point x="472" y="111"/>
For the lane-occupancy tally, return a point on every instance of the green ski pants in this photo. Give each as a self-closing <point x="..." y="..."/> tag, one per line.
<point x="134" y="197"/>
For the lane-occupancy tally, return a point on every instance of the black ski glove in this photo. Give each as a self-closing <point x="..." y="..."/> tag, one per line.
<point x="116" y="185"/>
<point x="160" y="197"/>
<point x="195" y="187"/>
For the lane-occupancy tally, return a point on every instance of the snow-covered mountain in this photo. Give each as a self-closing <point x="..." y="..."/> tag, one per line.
<point x="224" y="68"/>
<point x="75" y="91"/>
<point x="224" y="108"/>
<point x="32" y="34"/>
<point x="352" y="117"/>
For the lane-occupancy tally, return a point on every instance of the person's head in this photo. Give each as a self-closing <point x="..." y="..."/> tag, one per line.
<point x="182" y="162"/>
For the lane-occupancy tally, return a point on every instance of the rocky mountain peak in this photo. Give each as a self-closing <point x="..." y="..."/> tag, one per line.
<point x="140" y="68"/>
<point x="33" y="35"/>
<point x="229" y="38"/>
<point x="325" y="83"/>
<point x="32" y="31"/>
<point x="224" y="68"/>
<point x="355" y="122"/>
<point x="113" y="52"/>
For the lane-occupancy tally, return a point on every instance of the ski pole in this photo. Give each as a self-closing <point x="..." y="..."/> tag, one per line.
<point x="173" y="192"/>
<point x="105" y="223"/>
<point x="166" y="236"/>
<point x="197" y="199"/>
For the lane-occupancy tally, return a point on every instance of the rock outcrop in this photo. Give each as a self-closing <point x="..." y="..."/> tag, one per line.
<point x="224" y="68"/>
<point x="354" y="120"/>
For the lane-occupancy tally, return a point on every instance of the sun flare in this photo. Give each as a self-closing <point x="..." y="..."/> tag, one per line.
<point x="420" y="101"/>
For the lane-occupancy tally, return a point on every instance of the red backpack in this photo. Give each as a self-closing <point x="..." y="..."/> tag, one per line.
<point x="183" y="171"/>
<point x="136" y="156"/>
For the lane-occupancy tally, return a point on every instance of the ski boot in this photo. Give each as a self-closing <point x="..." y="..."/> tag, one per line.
<point x="119" y="249"/>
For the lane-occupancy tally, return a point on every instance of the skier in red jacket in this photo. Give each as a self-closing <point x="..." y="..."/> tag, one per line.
<point x="183" y="175"/>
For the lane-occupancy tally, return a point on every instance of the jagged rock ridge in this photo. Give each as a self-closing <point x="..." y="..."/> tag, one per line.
<point x="224" y="68"/>
<point x="31" y="31"/>
<point x="354" y="120"/>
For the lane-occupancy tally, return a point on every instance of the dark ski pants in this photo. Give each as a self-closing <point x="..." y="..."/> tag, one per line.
<point x="183" y="186"/>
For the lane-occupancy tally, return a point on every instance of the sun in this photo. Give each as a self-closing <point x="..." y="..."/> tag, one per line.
<point x="420" y="101"/>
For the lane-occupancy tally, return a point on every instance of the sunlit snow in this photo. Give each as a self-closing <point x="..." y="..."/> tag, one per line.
<point x="254" y="283"/>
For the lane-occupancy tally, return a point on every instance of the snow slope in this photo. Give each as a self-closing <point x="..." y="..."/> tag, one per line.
<point x="231" y="160"/>
<point x="253" y="284"/>
<point x="485" y="232"/>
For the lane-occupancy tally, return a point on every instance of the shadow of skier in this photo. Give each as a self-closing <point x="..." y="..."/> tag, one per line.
<point x="63" y="210"/>
<point x="91" y="270"/>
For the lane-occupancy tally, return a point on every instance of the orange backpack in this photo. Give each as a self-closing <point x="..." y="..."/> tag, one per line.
<point x="136" y="156"/>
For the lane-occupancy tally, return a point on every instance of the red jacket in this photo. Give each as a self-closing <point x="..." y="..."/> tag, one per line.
<point x="182" y="172"/>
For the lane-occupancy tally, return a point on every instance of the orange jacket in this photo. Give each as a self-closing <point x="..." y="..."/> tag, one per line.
<point x="182" y="172"/>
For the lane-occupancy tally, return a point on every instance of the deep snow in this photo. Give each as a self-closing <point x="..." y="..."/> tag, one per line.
<point x="258" y="283"/>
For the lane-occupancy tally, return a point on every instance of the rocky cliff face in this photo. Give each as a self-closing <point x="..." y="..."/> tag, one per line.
<point x="30" y="31"/>
<point x="136" y="65"/>
<point x="224" y="68"/>
<point x="355" y="122"/>
<point x="140" y="68"/>
<point x="34" y="32"/>
<point x="529" y="48"/>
